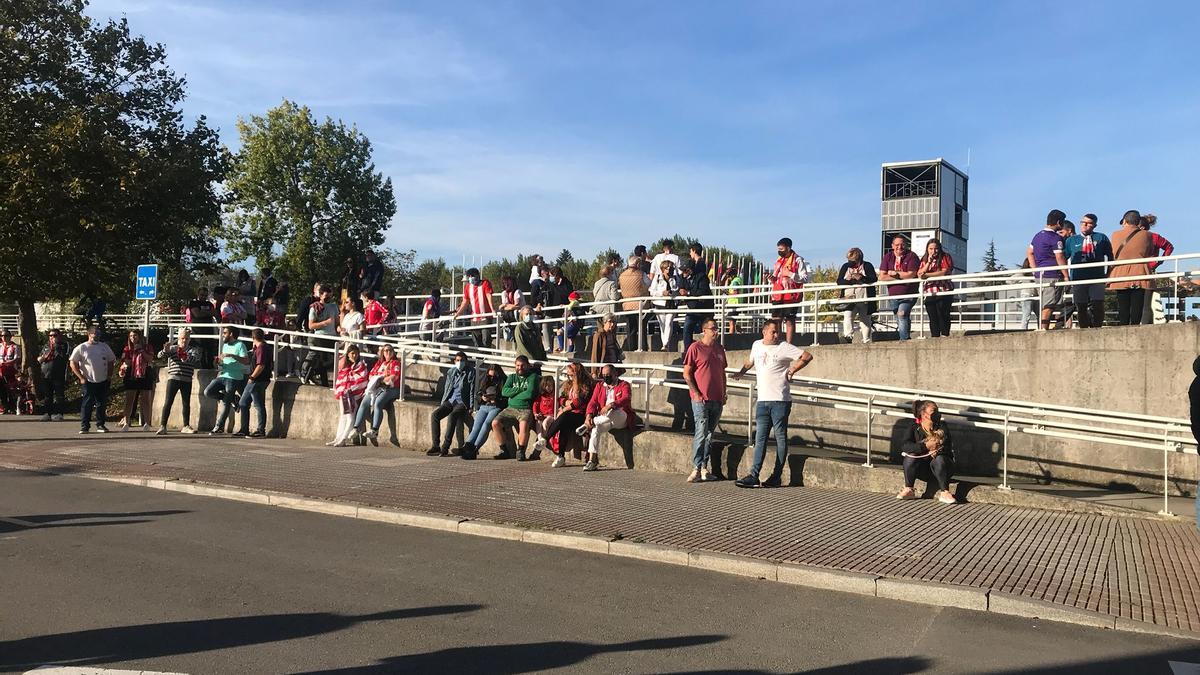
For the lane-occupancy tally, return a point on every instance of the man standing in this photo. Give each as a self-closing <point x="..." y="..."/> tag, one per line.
<point x="372" y="275"/>
<point x="634" y="283"/>
<point x="1046" y="250"/>
<point x="644" y="263"/>
<point x="668" y="253"/>
<point x="477" y="297"/>
<point x="704" y="371"/>
<point x="787" y="278"/>
<point x="231" y="368"/>
<point x="900" y="263"/>
<point x="697" y="289"/>
<point x="774" y="364"/>
<point x="457" y="395"/>
<point x="54" y="359"/>
<point x="519" y="389"/>
<point x="93" y="363"/>
<point x="263" y="364"/>
<point x="266" y="286"/>
<point x="1089" y="246"/>
<point x="299" y="357"/>
<point x="200" y="316"/>
<point x="322" y="321"/>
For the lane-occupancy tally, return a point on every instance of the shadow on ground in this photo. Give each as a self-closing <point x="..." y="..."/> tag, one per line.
<point x="58" y="520"/>
<point x="143" y="641"/>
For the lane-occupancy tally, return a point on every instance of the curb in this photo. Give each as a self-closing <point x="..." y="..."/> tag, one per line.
<point x="809" y="576"/>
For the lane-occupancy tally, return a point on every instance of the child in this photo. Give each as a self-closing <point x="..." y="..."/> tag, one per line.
<point x="566" y="335"/>
<point x="348" y="389"/>
<point x="543" y="410"/>
<point x="23" y="389"/>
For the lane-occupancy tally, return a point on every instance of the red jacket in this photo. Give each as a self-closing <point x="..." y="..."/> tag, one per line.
<point x="375" y="313"/>
<point x="389" y="370"/>
<point x="622" y="398"/>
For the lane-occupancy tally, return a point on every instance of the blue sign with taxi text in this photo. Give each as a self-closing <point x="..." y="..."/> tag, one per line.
<point x="146" y="283"/>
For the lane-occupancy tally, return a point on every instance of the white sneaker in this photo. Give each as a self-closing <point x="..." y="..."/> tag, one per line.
<point x="340" y="444"/>
<point x="946" y="498"/>
<point x="559" y="461"/>
<point x="694" y="476"/>
<point x="162" y="431"/>
<point x="539" y="445"/>
<point x="46" y="418"/>
<point x="330" y="444"/>
<point x="145" y="427"/>
<point x="123" y="426"/>
<point x="187" y="430"/>
<point x="592" y="465"/>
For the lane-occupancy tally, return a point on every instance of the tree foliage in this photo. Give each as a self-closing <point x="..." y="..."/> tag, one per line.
<point x="990" y="262"/>
<point x="305" y="195"/>
<point x="98" y="169"/>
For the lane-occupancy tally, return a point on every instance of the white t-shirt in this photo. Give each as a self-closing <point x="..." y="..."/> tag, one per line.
<point x="656" y="264"/>
<point x="353" y="323"/>
<point x="94" y="360"/>
<point x="770" y="368"/>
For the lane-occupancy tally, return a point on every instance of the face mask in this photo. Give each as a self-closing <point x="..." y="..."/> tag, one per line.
<point x="461" y="365"/>
<point x="474" y="281"/>
<point x="271" y="307"/>
<point x="610" y="379"/>
<point x="528" y="320"/>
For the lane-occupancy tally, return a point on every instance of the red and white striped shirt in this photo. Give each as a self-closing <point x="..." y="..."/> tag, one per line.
<point x="351" y="381"/>
<point x="10" y="354"/>
<point x="388" y="369"/>
<point x="480" y="298"/>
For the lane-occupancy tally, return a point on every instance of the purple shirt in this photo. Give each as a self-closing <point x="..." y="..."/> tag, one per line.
<point x="907" y="263"/>
<point x="1045" y="244"/>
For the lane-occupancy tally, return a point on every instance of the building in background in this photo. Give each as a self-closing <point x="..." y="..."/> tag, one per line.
<point x="923" y="201"/>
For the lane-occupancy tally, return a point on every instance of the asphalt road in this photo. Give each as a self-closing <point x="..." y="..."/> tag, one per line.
<point x="114" y="576"/>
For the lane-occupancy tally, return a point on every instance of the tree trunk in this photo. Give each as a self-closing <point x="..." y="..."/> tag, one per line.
<point x="31" y="342"/>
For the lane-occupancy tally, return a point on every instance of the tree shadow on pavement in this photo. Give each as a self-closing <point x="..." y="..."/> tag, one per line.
<point x="56" y="520"/>
<point x="902" y="665"/>
<point x="515" y="658"/>
<point x="126" y="643"/>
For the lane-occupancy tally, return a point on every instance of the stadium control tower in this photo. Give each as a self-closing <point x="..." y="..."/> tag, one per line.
<point x="923" y="200"/>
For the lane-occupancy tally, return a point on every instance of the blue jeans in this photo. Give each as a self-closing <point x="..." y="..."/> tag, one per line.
<point x="377" y="401"/>
<point x="770" y="416"/>
<point x="256" y="393"/>
<point x="691" y="325"/>
<point x="482" y="425"/>
<point x="706" y="414"/>
<point x="95" y="397"/>
<point x="225" y="390"/>
<point x="903" y="311"/>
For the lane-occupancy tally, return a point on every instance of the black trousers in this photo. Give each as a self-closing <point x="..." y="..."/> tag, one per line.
<point x="566" y="423"/>
<point x="183" y="387"/>
<point x="53" y="396"/>
<point x="1130" y="304"/>
<point x="633" y="331"/>
<point x="936" y="469"/>
<point x="457" y="413"/>
<point x="938" y="308"/>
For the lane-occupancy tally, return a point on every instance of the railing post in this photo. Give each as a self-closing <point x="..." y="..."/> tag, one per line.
<point x="1167" y="447"/>
<point x="403" y="371"/>
<point x="646" y="384"/>
<point x="641" y="318"/>
<point x="557" y="380"/>
<point x="1004" y="456"/>
<point x="870" y="416"/>
<point x="921" y="302"/>
<point x="275" y="356"/>
<point x="1175" y="292"/>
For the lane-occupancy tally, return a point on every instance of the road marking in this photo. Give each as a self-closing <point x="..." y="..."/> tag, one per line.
<point x="77" y="670"/>
<point x="1181" y="668"/>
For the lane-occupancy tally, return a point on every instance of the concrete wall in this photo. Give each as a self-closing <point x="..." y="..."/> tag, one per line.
<point x="1144" y="369"/>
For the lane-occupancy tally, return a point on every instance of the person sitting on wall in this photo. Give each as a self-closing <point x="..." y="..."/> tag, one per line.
<point x="928" y="453"/>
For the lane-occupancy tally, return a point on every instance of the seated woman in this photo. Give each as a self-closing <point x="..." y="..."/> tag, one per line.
<point x="928" y="453"/>
<point x="348" y="389"/>
<point x="383" y="388"/>
<point x="573" y="398"/>
<point x="488" y="404"/>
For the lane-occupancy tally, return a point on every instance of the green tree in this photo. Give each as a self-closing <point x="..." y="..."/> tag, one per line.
<point x="305" y="195"/>
<point x="990" y="262"/>
<point x="98" y="170"/>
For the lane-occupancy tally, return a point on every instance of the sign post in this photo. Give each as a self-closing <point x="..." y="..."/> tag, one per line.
<point x="146" y="288"/>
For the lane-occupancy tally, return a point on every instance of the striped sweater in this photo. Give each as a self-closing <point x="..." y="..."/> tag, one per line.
<point x="351" y="381"/>
<point x="181" y="363"/>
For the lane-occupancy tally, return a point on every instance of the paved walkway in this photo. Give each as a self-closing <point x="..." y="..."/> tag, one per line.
<point x="1137" y="569"/>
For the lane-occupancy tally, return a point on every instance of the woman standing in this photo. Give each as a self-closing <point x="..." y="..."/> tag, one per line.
<point x="665" y="286"/>
<point x="511" y="302"/>
<point x="1130" y="243"/>
<point x="937" y="265"/>
<point x="604" y="343"/>
<point x="431" y="311"/>
<point x="383" y="388"/>
<point x="572" y="411"/>
<point x="135" y="366"/>
<point x="488" y="405"/>
<point x="605" y="292"/>
<point x="182" y="360"/>
<point x="928" y="453"/>
<point x="348" y="389"/>
<point x="859" y="275"/>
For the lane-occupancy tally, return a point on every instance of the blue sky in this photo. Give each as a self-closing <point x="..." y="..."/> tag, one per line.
<point x="531" y="126"/>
